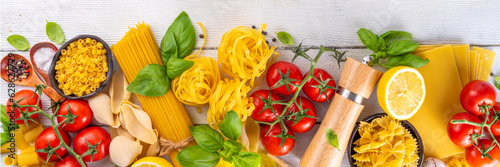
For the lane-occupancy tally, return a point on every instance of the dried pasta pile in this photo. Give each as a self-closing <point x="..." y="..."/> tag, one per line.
<point x="243" y="53"/>
<point x="385" y="142"/>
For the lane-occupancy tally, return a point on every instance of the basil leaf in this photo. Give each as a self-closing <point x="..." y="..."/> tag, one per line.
<point x="382" y="46"/>
<point x="285" y="38"/>
<point x="230" y="148"/>
<point x="54" y="32"/>
<point x="207" y="138"/>
<point x="246" y="159"/>
<point x="152" y="81"/>
<point x="4" y="118"/>
<point x="4" y="138"/>
<point x="394" y="36"/>
<point x="231" y="125"/>
<point x="409" y="60"/>
<point x="195" y="156"/>
<point x="497" y="82"/>
<point x="402" y="47"/>
<point x="369" y="39"/>
<point x="176" y="66"/>
<point x="18" y="42"/>
<point x="332" y="138"/>
<point x="179" y="40"/>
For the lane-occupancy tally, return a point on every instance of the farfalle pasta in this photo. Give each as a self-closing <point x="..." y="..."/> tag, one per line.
<point x="385" y="142"/>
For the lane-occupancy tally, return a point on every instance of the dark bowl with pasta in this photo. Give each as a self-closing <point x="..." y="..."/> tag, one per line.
<point x="407" y="125"/>
<point x="90" y="66"/>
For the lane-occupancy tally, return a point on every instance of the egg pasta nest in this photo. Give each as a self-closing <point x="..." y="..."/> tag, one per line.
<point x="385" y="142"/>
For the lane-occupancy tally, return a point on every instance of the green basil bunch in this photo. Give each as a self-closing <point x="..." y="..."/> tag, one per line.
<point x="7" y="126"/>
<point x="212" y="146"/>
<point x="394" y="45"/>
<point x="178" y="42"/>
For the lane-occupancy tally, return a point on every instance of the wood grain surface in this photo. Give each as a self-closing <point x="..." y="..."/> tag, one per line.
<point x="315" y="22"/>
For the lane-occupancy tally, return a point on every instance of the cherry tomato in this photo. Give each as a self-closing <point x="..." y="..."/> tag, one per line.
<point x="93" y="135"/>
<point x="460" y="134"/>
<point x="319" y="94"/>
<point x="81" y="109"/>
<point x="475" y="94"/>
<point x="266" y="115"/>
<point x="305" y="124"/>
<point x="495" y="128"/>
<point x="272" y="143"/>
<point x="474" y="159"/>
<point x="49" y="136"/>
<point x="273" y="77"/>
<point x="69" y="161"/>
<point x="28" y="98"/>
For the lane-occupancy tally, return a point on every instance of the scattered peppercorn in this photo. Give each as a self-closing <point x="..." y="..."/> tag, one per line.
<point x="274" y="39"/>
<point x="264" y="32"/>
<point x="267" y="42"/>
<point x="201" y="36"/>
<point x="253" y="26"/>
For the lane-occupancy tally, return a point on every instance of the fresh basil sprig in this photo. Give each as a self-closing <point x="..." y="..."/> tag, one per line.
<point x="212" y="146"/>
<point x="54" y="32"/>
<point x="395" y="45"/>
<point x="178" y="42"/>
<point x="18" y="42"/>
<point x="285" y="38"/>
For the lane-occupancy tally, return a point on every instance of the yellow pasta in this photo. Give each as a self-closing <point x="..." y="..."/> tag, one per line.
<point x="25" y="128"/>
<point x="243" y="53"/>
<point x="6" y="147"/>
<point x="76" y="64"/>
<point x="28" y="158"/>
<point x="133" y="52"/>
<point x="229" y="95"/>
<point x="10" y="161"/>
<point x="385" y="142"/>
<point x="32" y="134"/>
<point x="19" y="138"/>
<point x="456" y="161"/>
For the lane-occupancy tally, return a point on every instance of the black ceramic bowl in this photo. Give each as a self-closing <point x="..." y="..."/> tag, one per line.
<point x="52" y="71"/>
<point x="355" y="136"/>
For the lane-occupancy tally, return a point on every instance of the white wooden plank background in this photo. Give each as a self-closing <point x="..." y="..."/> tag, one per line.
<point x="321" y="22"/>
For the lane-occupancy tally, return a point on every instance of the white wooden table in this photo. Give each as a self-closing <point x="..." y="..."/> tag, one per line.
<point x="328" y="23"/>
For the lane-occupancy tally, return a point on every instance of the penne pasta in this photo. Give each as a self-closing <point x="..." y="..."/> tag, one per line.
<point x="10" y="161"/>
<point x="27" y="159"/>
<point x="19" y="139"/>
<point x="32" y="134"/>
<point x="6" y="147"/>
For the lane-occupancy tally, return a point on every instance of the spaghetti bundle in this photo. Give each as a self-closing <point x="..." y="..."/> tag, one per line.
<point x="243" y="53"/>
<point x="133" y="52"/>
<point x="195" y="86"/>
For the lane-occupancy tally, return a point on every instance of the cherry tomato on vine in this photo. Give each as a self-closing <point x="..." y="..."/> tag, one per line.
<point x="272" y="142"/>
<point x="305" y="119"/>
<point x="460" y="134"/>
<point x="475" y="94"/>
<point x="473" y="155"/>
<point x="68" y="161"/>
<point x="49" y="136"/>
<point x="264" y="101"/>
<point x="283" y="73"/>
<point x="495" y="128"/>
<point x="28" y="98"/>
<point x="319" y="92"/>
<point x="78" y="107"/>
<point x="93" y="135"/>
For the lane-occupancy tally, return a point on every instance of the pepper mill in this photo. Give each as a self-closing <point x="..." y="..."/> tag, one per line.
<point x="357" y="82"/>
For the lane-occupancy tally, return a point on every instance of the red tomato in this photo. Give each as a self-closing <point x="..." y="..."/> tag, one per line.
<point x="319" y="94"/>
<point x="306" y="123"/>
<point x="495" y="128"/>
<point x="29" y="99"/>
<point x="460" y="134"/>
<point x="267" y="115"/>
<point x="475" y="94"/>
<point x="273" y="77"/>
<point x="49" y="136"/>
<point x="272" y="143"/>
<point x="69" y="161"/>
<point x="474" y="159"/>
<point x="93" y="135"/>
<point x="81" y="109"/>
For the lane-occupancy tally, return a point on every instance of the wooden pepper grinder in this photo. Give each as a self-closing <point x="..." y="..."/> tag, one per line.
<point x="356" y="82"/>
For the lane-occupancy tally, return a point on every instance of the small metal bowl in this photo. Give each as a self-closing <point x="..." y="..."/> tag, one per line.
<point x="355" y="136"/>
<point x="52" y="71"/>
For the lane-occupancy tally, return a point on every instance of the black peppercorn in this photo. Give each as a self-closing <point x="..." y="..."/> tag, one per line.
<point x="201" y="35"/>
<point x="274" y="39"/>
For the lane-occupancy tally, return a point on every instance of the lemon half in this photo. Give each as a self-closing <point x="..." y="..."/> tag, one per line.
<point x="401" y="92"/>
<point x="152" y="162"/>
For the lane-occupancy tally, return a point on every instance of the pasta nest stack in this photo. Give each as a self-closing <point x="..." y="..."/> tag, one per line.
<point x="195" y="86"/>
<point x="243" y="53"/>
